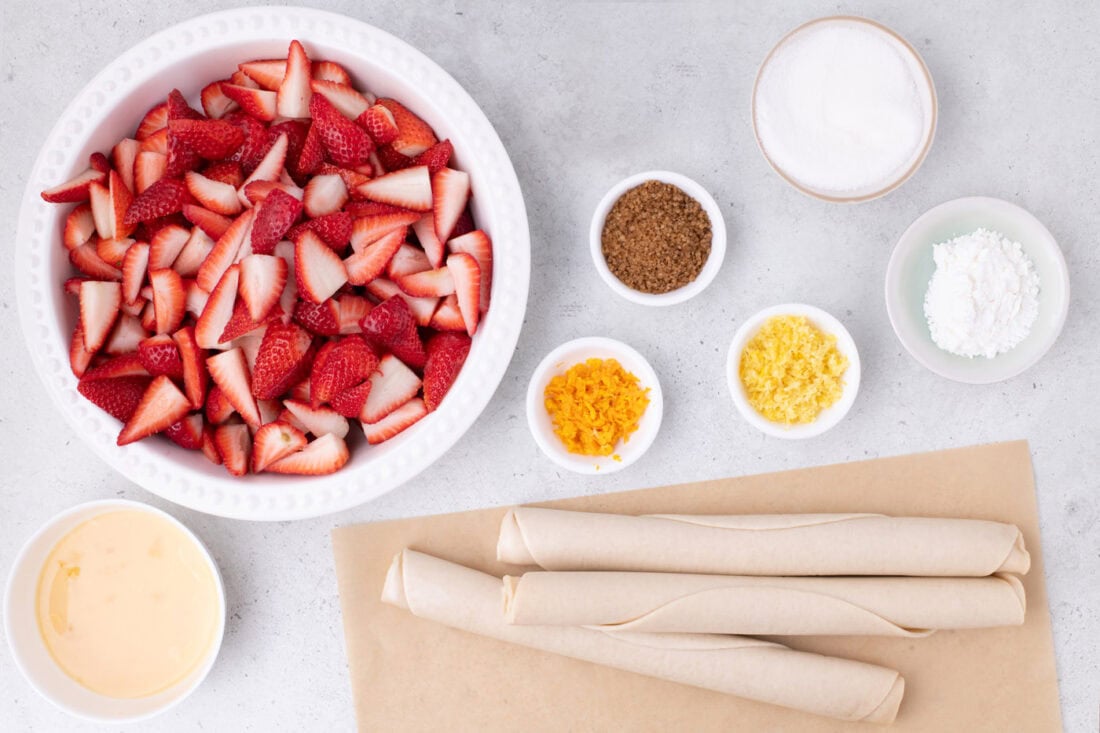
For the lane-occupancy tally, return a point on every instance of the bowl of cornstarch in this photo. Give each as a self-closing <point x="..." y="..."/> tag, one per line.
<point x="977" y="290"/>
<point x="844" y="109"/>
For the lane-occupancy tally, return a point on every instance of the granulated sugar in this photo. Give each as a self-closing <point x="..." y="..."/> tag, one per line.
<point x="843" y="108"/>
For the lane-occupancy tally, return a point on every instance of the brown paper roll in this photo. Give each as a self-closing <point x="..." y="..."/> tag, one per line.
<point x="770" y="606"/>
<point x="469" y="600"/>
<point x="764" y="544"/>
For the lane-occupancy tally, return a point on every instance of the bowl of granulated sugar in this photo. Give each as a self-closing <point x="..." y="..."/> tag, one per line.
<point x="844" y="109"/>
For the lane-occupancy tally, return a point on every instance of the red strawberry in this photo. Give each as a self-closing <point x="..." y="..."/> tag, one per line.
<point x="268" y="73"/>
<point x="322" y="319"/>
<point x="353" y="309"/>
<point x="283" y="359"/>
<point x="213" y="224"/>
<point x="433" y="245"/>
<point x="74" y="189"/>
<point x="296" y="132"/>
<point x="397" y="421"/>
<point x="331" y="71"/>
<point x="166" y="196"/>
<point x="318" y="269"/>
<point x="410" y="188"/>
<point x="343" y="97"/>
<point x="218" y="310"/>
<point x="79" y="356"/>
<point x="157" y="142"/>
<point x="85" y="259"/>
<point x="392" y="385"/>
<point x="208" y="448"/>
<point x="221" y="198"/>
<point x="214" y="100"/>
<point x="261" y="283"/>
<point x="349" y="403"/>
<point x="257" y="140"/>
<point x="127" y="334"/>
<point x="476" y="244"/>
<point x="271" y="166"/>
<point x="414" y="136"/>
<point x="193" y="363"/>
<point x="169" y="299"/>
<point x="225" y="171"/>
<point x="324" y="455"/>
<point x="225" y="252"/>
<point x="372" y="228"/>
<point x="256" y="192"/>
<point x="155" y="119"/>
<point x="345" y="364"/>
<point x="311" y="155"/>
<point x="319" y="421"/>
<point x="218" y="408"/>
<point x="234" y="445"/>
<point x="436" y="157"/>
<point x="99" y="306"/>
<point x="379" y="124"/>
<point x="273" y="218"/>
<point x="335" y="229"/>
<point x="187" y="432"/>
<point x="118" y="397"/>
<point x="241" y="324"/>
<point x="257" y="103"/>
<point x="292" y="99"/>
<point x="160" y="355"/>
<point x="450" y="192"/>
<point x="391" y="327"/>
<point x="273" y="441"/>
<point x="195" y="251"/>
<point x="447" y="316"/>
<point x="324" y="194"/>
<point x="112" y="251"/>
<point x="467" y="287"/>
<point x="408" y="260"/>
<point x="79" y="226"/>
<point x="166" y="246"/>
<point x="422" y="308"/>
<point x="369" y="263"/>
<point x="180" y="158"/>
<point x="346" y="143"/>
<point x="210" y="139"/>
<point x="99" y="162"/>
<point x="429" y="283"/>
<point x="160" y="406"/>
<point x="123" y="156"/>
<point x="179" y="109"/>
<point x="392" y="160"/>
<point x="229" y="371"/>
<point x="447" y="353"/>
<point x="124" y="365"/>
<point x="119" y="200"/>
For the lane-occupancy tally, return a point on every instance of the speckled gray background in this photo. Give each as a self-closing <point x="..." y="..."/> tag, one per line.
<point x="583" y="94"/>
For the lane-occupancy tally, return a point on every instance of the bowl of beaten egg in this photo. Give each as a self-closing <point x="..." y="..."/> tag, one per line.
<point x="800" y="377"/>
<point x="114" y="611"/>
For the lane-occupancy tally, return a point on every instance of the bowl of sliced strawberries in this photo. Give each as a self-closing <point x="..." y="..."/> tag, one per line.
<point x="272" y="262"/>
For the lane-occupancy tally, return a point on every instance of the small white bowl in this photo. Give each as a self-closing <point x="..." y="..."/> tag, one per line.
<point x="828" y="417"/>
<point x="717" y="241"/>
<point x="557" y="362"/>
<point x="33" y="658"/>
<point x="911" y="267"/>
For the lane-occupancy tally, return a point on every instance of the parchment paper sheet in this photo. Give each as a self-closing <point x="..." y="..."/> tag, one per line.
<point x="408" y="674"/>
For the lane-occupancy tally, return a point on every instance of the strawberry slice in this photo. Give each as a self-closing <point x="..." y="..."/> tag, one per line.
<point x="268" y="73"/>
<point x="79" y="227"/>
<point x="422" y="308"/>
<point x="187" y="432"/>
<point x="240" y="324"/>
<point x="76" y="188"/>
<point x="324" y="455"/>
<point x="195" y="250"/>
<point x="234" y="446"/>
<point x="261" y="283"/>
<point x="368" y="263"/>
<point x="229" y="371"/>
<point x="392" y="385"/>
<point x="273" y="441"/>
<point x="193" y="365"/>
<point x="124" y="365"/>
<point x="345" y="364"/>
<point x="218" y="408"/>
<point x="379" y="124"/>
<point x="258" y="103"/>
<point x="410" y="188"/>
<point x="149" y="167"/>
<point x="394" y="423"/>
<point x="79" y="356"/>
<point x="225" y="171"/>
<point x="210" y="139"/>
<point x="134" y="265"/>
<point x="371" y="228"/>
<point x="99" y="306"/>
<point x="166" y="246"/>
<point x="324" y="194"/>
<point x="273" y="218"/>
<point x="224" y="252"/>
<point x="120" y="200"/>
<point x="311" y="155"/>
<point x="215" y="103"/>
<point x="284" y="359"/>
<point x="408" y="260"/>
<point x="179" y="109"/>
<point x="345" y="142"/>
<point x="123" y="156"/>
<point x="318" y="269"/>
<point x="270" y="167"/>
<point x="126" y="336"/>
<point x="169" y="299"/>
<point x="118" y="397"/>
<point x="349" y="403"/>
<point x="160" y="355"/>
<point x="433" y="245"/>
<point x="467" y="277"/>
<point x="436" y="157"/>
<point x="319" y="421"/>
<point x="343" y="97"/>
<point x="391" y="327"/>
<point x="300" y="391"/>
<point x="450" y="192"/>
<point x="414" y="136"/>
<point x="112" y="251"/>
<point x="257" y="140"/>
<point x="157" y="142"/>
<point x="155" y="119"/>
<point x="209" y="450"/>
<point x="352" y="309"/>
<point x="331" y="71"/>
<point x="221" y="198"/>
<point x="213" y="224"/>
<point x="447" y="353"/>
<point x="218" y="310"/>
<point x="350" y="176"/>
<point x="360" y="209"/>
<point x="335" y="229"/>
<point x="85" y="259"/>
<point x="477" y="245"/>
<point x="166" y="196"/>
<point x="292" y="99"/>
<point x="429" y="283"/>
<point x="322" y="319"/>
<point x="161" y="405"/>
<point x="391" y="160"/>
<point x="180" y="158"/>
<point x="256" y="192"/>
<point x="447" y="316"/>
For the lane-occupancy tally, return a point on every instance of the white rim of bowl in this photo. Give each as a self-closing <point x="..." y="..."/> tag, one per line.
<point x="637" y="446"/>
<point x="717" y="238"/>
<point x="96" y="508"/>
<point x="828" y="418"/>
<point x="893" y="276"/>
<point x="927" y="145"/>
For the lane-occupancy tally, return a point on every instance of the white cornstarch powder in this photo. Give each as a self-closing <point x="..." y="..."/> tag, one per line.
<point x="984" y="296"/>
<point x="843" y="107"/>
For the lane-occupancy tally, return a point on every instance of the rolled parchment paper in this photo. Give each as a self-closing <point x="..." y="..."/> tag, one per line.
<point x="771" y="606"/>
<point x="469" y="600"/>
<point x="761" y="544"/>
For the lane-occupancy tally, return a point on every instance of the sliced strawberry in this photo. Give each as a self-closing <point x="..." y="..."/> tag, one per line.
<point x="436" y="157"/>
<point x="345" y="142"/>
<point x="229" y="371"/>
<point x="225" y="171"/>
<point x="123" y="365"/>
<point x="219" y="309"/>
<point x="347" y="363"/>
<point x="414" y="136"/>
<point x="213" y="224"/>
<point x="429" y="283"/>
<point x="166" y="196"/>
<point x="379" y="124"/>
<point x="408" y="260"/>
<point x="208" y="448"/>
<point x="395" y="422"/>
<point x="311" y="155"/>
<point x="120" y="200"/>
<point x="352" y="309"/>
<point x="324" y="455"/>
<point x="268" y="73"/>
<point x="269" y="168"/>
<point x="372" y="260"/>
<point x="258" y="103"/>
<point x="79" y="356"/>
<point x="221" y="198"/>
<point x="218" y="408"/>
<point x="261" y="283"/>
<point x="79" y="226"/>
<point x="372" y="228"/>
<point x="273" y="441"/>
<point x="169" y="299"/>
<point x="148" y="315"/>
<point x="187" y="432"/>
<point x="422" y="308"/>
<point x="241" y="324"/>
<point x="195" y="251"/>
<point x="155" y="119"/>
<point x="224" y="252"/>
<point x="179" y="109"/>
<point x="257" y="141"/>
<point x="193" y="363"/>
<point x="149" y="167"/>
<point x="100" y="162"/>
<point x="126" y="335"/>
<point x="99" y="197"/>
<point x="331" y="71"/>
<point x="319" y="421"/>
<point x="85" y="259"/>
<point x="300" y="391"/>
<point x="433" y="246"/>
<point x="322" y="319"/>
<point x="477" y="244"/>
<point x="256" y="192"/>
<point x="335" y="229"/>
<point x="160" y="355"/>
<point x="210" y="139"/>
<point x="410" y="188"/>
<point x="292" y="99"/>
<point x="467" y="287"/>
<point x="234" y="445"/>
<point x="391" y="160"/>
<point x="343" y="97"/>
<point x="161" y="405"/>
<point x="318" y="269"/>
<point x="391" y="327"/>
<point x="72" y="286"/>
<point x="324" y="194"/>
<point x="99" y="306"/>
<point x="118" y="397"/>
<point x="215" y="103"/>
<point x="179" y="157"/>
<point x="196" y="298"/>
<point x="166" y="246"/>
<point x="447" y="316"/>
<point x="273" y="218"/>
<point x="450" y="192"/>
<point x="349" y="403"/>
<point x="284" y="359"/>
<point x="112" y="251"/>
<point x="123" y="156"/>
<point x="447" y="353"/>
<point x="392" y="385"/>
<point x="350" y="177"/>
<point x="76" y="188"/>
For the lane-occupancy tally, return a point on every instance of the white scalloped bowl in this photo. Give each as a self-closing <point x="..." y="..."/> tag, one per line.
<point x="187" y="56"/>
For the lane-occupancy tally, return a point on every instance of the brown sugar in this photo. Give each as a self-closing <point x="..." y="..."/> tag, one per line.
<point x="656" y="238"/>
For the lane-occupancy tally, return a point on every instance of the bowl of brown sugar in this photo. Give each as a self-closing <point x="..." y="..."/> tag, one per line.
<point x="658" y="238"/>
